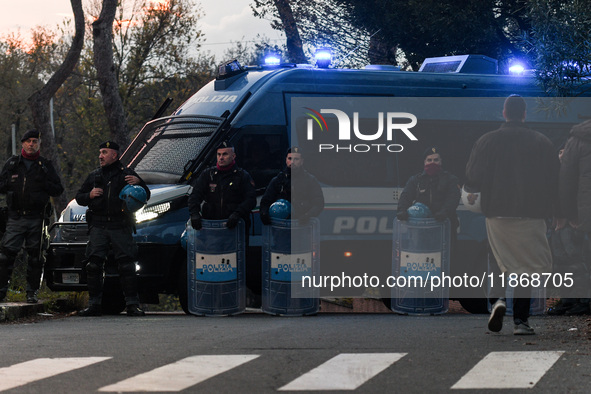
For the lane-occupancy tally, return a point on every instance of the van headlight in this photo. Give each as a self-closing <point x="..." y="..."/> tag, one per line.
<point x="151" y="212"/>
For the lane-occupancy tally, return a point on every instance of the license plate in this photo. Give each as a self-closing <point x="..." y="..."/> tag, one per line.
<point x="70" y="278"/>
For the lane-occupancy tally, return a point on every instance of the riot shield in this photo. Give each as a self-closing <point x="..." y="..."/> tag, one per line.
<point x="216" y="269"/>
<point x="290" y="253"/>
<point x="420" y="259"/>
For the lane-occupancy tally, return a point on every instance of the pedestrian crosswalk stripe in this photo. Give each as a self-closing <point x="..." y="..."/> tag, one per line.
<point x="41" y="368"/>
<point x="509" y="370"/>
<point x="346" y="371"/>
<point x="181" y="374"/>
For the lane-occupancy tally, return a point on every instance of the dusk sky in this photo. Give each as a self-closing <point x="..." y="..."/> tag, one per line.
<point x="224" y="20"/>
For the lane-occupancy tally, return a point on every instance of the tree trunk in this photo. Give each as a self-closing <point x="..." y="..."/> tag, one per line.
<point x="295" y="49"/>
<point x="102" y="32"/>
<point x="39" y="101"/>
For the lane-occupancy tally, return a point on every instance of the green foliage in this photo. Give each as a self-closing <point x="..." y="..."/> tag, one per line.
<point x="430" y="28"/>
<point x="561" y="45"/>
<point x="19" y="77"/>
<point x="166" y="303"/>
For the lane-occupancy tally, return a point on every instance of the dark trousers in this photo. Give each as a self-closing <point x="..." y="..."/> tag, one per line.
<point x="22" y="230"/>
<point x="118" y="239"/>
<point x="521" y="295"/>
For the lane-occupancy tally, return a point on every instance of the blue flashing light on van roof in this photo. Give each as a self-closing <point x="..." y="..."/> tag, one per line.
<point x="323" y="57"/>
<point x="516" y="69"/>
<point x="272" y="60"/>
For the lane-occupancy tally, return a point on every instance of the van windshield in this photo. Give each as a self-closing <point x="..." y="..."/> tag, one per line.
<point x="164" y="146"/>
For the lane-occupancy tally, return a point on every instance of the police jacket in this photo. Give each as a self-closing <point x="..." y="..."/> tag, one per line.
<point x="28" y="189"/>
<point x="300" y="188"/>
<point x="441" y="193"/>
<point x="516" y="170"/>
<point x="223" y="193"/>
<point x="107" y="208"/>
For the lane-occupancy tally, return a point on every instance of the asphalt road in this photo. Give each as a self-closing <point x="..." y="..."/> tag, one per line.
<point x="254" y="352"/>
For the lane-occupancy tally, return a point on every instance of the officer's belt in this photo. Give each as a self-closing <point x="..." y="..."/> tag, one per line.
<point x="107" y="219"/>
<point x="22" y="212"/>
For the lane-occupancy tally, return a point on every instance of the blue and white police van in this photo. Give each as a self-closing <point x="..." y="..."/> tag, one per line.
<point x="253" y="108"/>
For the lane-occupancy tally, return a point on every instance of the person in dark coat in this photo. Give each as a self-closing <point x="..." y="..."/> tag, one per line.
<point x="516" y="170"/>
<point x="297" y="186"/>
<point x="434" y="187"/>
<point x="28" y="181"/>
<point x="575" y="177"/>
<point x="226" y="191"/>
<point x="575" y="191"/>
<point x="110" y="226"/>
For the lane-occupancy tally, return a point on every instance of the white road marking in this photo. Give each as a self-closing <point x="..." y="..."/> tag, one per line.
<point x="508" y="370"/>
<point x="41" y="368"/>
<point x="346" y="371"/>
<point x="181" y="374"/>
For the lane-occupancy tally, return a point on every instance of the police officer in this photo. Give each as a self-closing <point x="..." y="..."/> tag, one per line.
<point x="434" y="187"/>
<point x="28" y="181"/>
<point x="297" y="186"/>
<point x="226" y="191"/>
<point x="110" y="224"/>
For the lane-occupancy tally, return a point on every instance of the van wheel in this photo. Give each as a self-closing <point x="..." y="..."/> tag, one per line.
<point x="113" y="302"/>
<point x="182" y="286"/>
<point x="474" y="305"/>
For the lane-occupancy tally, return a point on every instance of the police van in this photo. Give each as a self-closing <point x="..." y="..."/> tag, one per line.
<point x="263" y="110"/>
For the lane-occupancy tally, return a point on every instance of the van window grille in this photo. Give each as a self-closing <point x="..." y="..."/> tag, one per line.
<point x="166" y="145"/>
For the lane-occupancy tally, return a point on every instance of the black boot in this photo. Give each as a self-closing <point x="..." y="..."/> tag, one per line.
<point x="32" y="297"/>
<point x="92" y="310"/>
<point x="6" y="265"/>
<point x="135" y="310"/>
<point x="128" y="280"/>
<point x="34" y="275"/>
<point x="95" y="279"/>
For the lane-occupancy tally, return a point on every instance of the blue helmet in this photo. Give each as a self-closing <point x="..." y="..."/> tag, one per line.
<point x="419" y="210"/>
<point x="280" y="209"/>
<point x="134" y="196"/>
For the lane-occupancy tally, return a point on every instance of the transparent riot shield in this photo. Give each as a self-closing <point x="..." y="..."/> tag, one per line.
<point x="216" y="269"/>
<point x="290" y="254"/>
<point x="420" y="258"/>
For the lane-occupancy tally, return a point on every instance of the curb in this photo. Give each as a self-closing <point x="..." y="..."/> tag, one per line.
<point x="10" y="311"/>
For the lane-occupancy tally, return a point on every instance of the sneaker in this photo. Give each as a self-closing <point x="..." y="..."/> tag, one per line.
<point x="92" y="310"/>
<point x="32" y="297"/>
<point x="522" y="328"/>
<point x="495" y="321"/>
<point x="135" y="310"/>
<point x="581" y="308"/>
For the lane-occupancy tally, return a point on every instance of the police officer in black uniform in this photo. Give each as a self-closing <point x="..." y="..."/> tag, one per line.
<point x="297" y="186"/>
<point x="28" y="181"/>
<point x="110" y="224"/>
<point x="226" y="191"/>
<point x="434" y="187"/>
